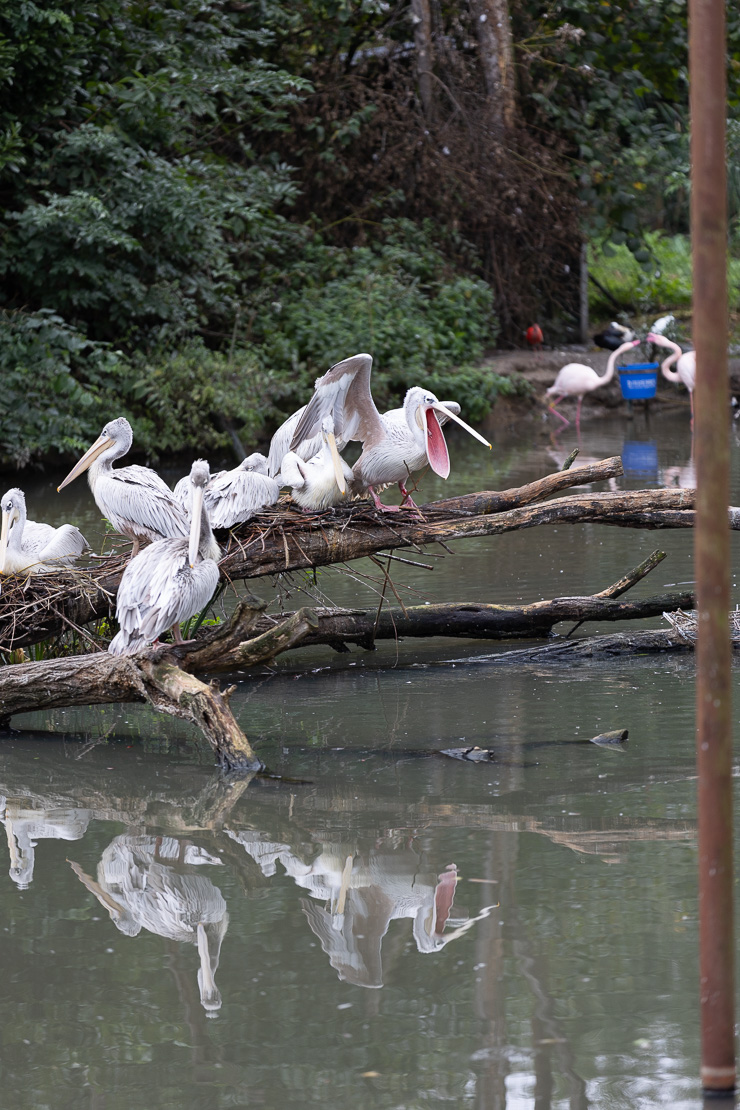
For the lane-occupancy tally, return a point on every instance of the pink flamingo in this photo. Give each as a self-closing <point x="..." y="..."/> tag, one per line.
<point x="685" y="365"/>
<point x="576" y="380"/>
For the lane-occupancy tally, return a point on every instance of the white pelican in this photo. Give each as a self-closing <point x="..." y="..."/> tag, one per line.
<point x="146" y="882"/>
<point x="28" y="546"/>
<point x="136" y="501"/>
<point x="234" y="496"/>
<point x="685" y="361"/>
<point x="575" y="379"/>
<point x="169" y="581"/>
<point x="321" y="481"/>
<point x="394" y="444"/>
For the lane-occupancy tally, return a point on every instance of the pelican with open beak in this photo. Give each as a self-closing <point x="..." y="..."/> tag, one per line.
<point x="169" y="581"/>
<point x="395" y="444"/>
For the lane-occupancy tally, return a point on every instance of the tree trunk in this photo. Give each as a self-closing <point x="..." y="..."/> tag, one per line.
<point x="493" y="28"/>
<point x="422" y="20"/>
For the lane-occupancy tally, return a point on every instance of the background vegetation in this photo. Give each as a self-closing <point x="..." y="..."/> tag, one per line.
<point x="204" y="203"/>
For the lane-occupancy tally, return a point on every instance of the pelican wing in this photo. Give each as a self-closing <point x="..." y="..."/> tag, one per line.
<point x="159" y="588"/>
<point x="293" y="471"/>
<point x="66" y="544"/>
<point x="344" y="394"/>
<point x="236" y="495"/>
<point x="135" y="496"/>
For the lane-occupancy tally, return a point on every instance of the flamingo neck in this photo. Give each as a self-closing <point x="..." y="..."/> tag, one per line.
<point x="665" y="366"/>
<point x="610" y="367"/>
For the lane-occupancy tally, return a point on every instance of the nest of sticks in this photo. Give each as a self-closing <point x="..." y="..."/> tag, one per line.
<point x="686" y="624"/>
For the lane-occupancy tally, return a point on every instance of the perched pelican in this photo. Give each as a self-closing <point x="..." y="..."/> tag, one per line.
<point x="28" y="546"/>
<point x="148" y="882"/>
<point x="685" y="361"/>
<point x="394" y="444"/>
<point x="233" y="496"/>
<point x="321" y="481"/>
<point x="576" y="380"/>
<point x="169" y="581"/>
<point x="136" y="501"/>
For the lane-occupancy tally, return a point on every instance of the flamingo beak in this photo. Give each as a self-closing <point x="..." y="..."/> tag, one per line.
<point x="195" y="515"/>
<point x="101" y="443"/>
<point x="338" y="472"/>
<point x="453" y="416"/>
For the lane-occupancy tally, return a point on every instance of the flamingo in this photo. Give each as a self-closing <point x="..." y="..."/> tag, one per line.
<point x="169" y="581"/>
<point x="36" y="548"/>
<point x="396" y="443"/>
<point x="576" y="380"/>
<point x="685" y="371"/>
<point x="137" y="502"/>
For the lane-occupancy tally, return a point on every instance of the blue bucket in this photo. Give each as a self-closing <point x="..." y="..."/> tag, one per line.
<point x="640" y="460"/>
<point x="639" y="380"/>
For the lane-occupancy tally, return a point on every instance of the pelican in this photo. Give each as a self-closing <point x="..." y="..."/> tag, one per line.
<point x="234" y="496"/>
<point x="133" y="498"/>
<point x="394" y="444"/>
<point x="321" y="481"/>
<point x="169" y="581"/>
<point x="37" y="548"/>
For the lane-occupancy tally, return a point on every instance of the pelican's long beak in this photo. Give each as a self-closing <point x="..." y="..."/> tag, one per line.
<point x="4" y="541"/>
<point x="453" y="416"/>
<point x="338" y="472"/>
<point x="195" y="515"/>
<point x="87" y="459"/>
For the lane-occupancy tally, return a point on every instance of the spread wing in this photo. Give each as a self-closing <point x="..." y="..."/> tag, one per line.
<point x="344" y="394"/>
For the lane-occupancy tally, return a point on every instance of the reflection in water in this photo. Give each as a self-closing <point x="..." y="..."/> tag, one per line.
<point x="362" y="894"/>
<point x="26" y="824"/>
<point x="139" y="890"/>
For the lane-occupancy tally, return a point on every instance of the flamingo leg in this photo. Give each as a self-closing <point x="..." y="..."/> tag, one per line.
<point x="578" y="415"/>
<point x="552" y="408"/>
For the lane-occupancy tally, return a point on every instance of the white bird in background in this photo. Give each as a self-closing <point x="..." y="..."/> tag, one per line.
<point x="576" y="380"/>
<point x="395" y="444"/>
<point x="235" y="496"/>
<point x="136" y="501"/>
<point x="685" y="361"/>
<point x="169" y="581"/>
<point x="320" y="482"/>
<point x="37" y="548"/>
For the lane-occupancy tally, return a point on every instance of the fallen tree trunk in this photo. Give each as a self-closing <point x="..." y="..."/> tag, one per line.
<point x="43" y="606"/>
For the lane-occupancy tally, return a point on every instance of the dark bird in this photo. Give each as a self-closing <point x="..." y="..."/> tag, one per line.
<point x="613" y="336"/>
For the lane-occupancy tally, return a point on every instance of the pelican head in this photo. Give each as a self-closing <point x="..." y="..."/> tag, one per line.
<point x="13" y="509"/>
<point x="255" y="463"/>
<point x="327" y="434"/>
<point x="421" y="407"/>
<point x="200" y="476"/>
<point x="114" y="441"/>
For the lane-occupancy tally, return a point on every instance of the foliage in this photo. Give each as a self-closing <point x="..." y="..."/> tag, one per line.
<point x="666" y="285"/>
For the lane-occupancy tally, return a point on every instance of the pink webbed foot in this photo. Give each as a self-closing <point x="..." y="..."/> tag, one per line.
<point x="408" y="501"/>
<point x="379" y="504"/>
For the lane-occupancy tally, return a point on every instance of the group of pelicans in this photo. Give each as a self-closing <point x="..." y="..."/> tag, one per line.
<point x="175" y="576"/>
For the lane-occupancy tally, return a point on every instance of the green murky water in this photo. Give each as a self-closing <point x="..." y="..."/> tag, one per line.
<point x="391" y="929"/>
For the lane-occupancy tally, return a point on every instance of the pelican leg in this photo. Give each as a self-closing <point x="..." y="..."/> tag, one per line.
<point x="553" y="409"/>
<point x="408" y="501"/>
<point x="379" y="504"/>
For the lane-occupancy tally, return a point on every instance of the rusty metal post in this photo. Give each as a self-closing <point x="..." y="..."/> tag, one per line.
<point x="707" y="61"/>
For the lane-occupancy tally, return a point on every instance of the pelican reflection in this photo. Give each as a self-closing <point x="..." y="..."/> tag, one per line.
<point x="354" y="898"/>
<point x="151" y="882"/>
<point x="26" y="824"/>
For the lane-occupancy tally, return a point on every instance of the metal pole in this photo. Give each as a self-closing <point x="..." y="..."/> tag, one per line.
<point x="707" y="63"/>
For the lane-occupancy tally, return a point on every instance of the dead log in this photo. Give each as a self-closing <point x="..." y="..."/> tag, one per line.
<point x="598" y="647"/>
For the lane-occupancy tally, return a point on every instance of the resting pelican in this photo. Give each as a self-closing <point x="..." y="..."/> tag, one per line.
<point x="169" y="581"/>
<point x="394" y="444"/>
<point x="28" y="546"/>
<point x="233" y="496"/>
<point x="133" y="498"/>
<point x="321" y="481"/>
